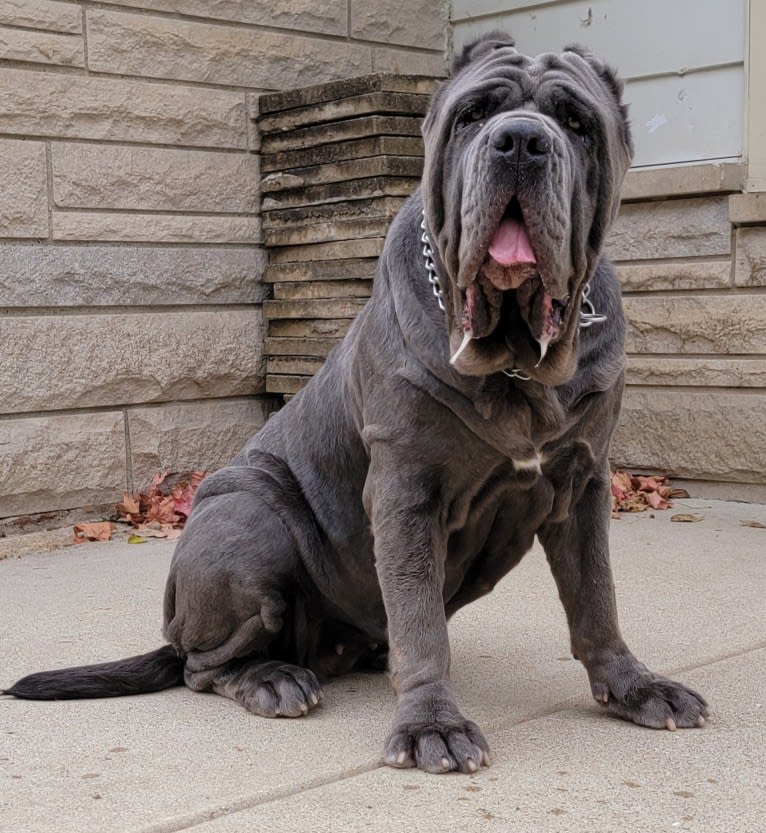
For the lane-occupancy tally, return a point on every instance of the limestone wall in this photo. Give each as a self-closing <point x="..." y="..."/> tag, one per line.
<point x="691" y="253"/>
<point x="130" y="241"/>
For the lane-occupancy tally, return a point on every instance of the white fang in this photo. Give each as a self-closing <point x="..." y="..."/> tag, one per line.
<point x="467" y="336"/>
<point x="543" y="349"/>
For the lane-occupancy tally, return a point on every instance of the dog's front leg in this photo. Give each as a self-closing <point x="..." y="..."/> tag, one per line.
<point x="410" y="549"/>
<point x="578" y="553"/>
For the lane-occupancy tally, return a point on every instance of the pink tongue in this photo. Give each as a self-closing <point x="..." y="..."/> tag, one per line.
<point x="511" y="245"/>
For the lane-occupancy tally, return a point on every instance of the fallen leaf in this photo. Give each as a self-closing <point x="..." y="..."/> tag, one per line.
<point x="158" y="478"/>
<point x="131" y="505"/>
<point x="161" y="509"/>
<point x="685" y="518"/>
<point x="753" y="524"/>
<point x="136" y="539"/>
<point x="656" y="500"/>
<point x="637" y="493"/>
<point x="96" y="531"/>
<point x="183" y="496"/>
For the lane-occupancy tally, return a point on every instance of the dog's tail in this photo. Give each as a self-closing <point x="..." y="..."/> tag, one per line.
<point x="154" y="671"/>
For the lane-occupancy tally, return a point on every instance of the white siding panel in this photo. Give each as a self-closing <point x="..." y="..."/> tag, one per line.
<point x="474" y="8"/>
<point x="689" y="118"/>
<point x="646" y="38"/>
<point x="683" y="61"/>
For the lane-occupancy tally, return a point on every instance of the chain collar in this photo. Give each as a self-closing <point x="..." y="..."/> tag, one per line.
<point x="588" y="314"/>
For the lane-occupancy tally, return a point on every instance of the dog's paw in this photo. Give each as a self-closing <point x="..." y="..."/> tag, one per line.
<point x="651" y="700"/>
<point x="437" y="747"/>
<point x="274" y="689"/>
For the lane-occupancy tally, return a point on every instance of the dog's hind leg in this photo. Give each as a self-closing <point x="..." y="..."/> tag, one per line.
<point x="270" y="688"/>
<point x="234" y="592"/>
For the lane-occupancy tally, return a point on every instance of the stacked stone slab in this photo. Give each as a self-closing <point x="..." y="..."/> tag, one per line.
<point x="338" y="160"/>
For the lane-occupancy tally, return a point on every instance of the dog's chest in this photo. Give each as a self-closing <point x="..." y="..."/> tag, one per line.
<point x="493" y="518"/>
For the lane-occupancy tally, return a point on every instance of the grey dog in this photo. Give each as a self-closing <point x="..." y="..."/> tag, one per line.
<point x="468" y="410"/>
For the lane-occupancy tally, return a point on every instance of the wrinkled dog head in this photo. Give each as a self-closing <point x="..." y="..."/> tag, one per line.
<point x="525" y="158"/>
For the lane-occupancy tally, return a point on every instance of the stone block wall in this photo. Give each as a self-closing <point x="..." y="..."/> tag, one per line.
<point x="131" y="256"/>
<point x="691" y="253"/>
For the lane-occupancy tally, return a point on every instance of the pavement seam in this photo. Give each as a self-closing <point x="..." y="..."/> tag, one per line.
<point x="231" y="808"/>
<point x="567" y="703"/>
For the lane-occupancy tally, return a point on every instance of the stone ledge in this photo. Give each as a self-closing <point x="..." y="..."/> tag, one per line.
<point x="321" y="270"/>
<point x="343" y="191"/>
<point x="308" y="290"/>
<point x="286" y="384"/>
<point x="316" y="347"/>
<point x="335" y="250"/>
<point x="747" y="208"/>
<point x="374" y="166"/>
<point x="310" y="328"/>
<point x="347" y="88"/>
<point x="305" y="234"/>
<point x="367" y="208"/>
<point x="329" y="152"/>
<point x="361" y="127"/>
<point x="683" y="180"/>
<point x="317" y="308"/>
<point x="400" y="104"/>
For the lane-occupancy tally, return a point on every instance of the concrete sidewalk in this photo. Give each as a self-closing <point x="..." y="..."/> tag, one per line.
<point x="693" y="605"/>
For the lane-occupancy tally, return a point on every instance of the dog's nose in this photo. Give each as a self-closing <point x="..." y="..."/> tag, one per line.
<point x="522" y="142"/>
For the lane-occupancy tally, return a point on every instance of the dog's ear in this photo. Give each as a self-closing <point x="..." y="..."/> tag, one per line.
<point x="608" y="75"/>
<point x="479" y="47"/>
<point x="612" y="82"/>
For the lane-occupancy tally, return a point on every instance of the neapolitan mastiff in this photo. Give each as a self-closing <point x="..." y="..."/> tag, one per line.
<point x="469" y="409"/>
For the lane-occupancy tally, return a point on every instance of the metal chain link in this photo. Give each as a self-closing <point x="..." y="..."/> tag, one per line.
<point x="588" y="314"/>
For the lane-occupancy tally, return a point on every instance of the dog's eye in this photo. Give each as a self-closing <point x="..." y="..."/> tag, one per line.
<point x="470" y="116"/>
<point x="574" y="124"/>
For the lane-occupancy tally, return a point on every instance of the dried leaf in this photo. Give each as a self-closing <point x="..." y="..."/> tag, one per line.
<point x="130" y="505"/>
<point x="686" y="518"/>
<point x="96" y="531"/>
<point x="160" y="509"/>
<point x="136" y="539"/>
<point x="183" y="497"/>
<point x="656" y="500"/>
<point x="753" y="524"/>
<point x="157" y="530"/>
<point x="640" y="492"/>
